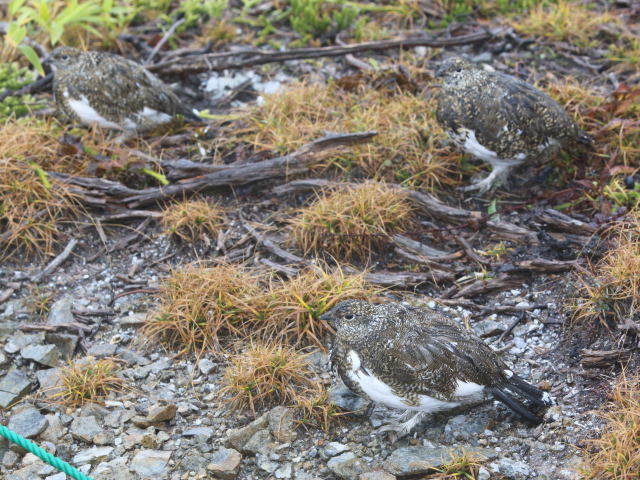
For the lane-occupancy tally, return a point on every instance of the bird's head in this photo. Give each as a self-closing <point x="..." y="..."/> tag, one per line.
<point x="63" y="57"/>
<point x="453" y="65"/>
<point x="351" y="318"/>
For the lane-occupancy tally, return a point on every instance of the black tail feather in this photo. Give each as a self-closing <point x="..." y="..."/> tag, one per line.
<point x="528" y="391"/>
<point x="514" y="405"/>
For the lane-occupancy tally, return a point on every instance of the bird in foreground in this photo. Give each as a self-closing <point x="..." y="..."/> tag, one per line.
<point x="418" y="360"/>
<point x="112" y="92"/>
<point x="500" y="119"/>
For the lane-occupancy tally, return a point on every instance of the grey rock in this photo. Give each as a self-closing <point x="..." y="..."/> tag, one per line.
<point x="132" y="357"/>
<point x="225" y="463"/>
<point x="19" y="340"/>
<point x="10" y="459"/>
<point x="463" y="427"/>
<point x="95" y="410"/>
<point x="202" y="434"/>
<point x="344" y="398"/>
<point x="49" y="380"/>
<point x="281" y="424"/>
<point x="488" y="328"/>
<point x="116" y="469"/>
<point x="161" y="413"/>
<point x="483" y="474"/>
<point x="260" y="442"/>
<point x="47" y="355"/>
<point x="285" y="471"/>
<point x="418" y="460"/>
<point x="57" y="476"/>
<point x="85" y="429"/>
<point x="193" y="461"/>
<point x="151" y="463"/>
<point x="512" y="469"/>
<point x="13" y="387"/>
<point x="238" y="437"/>
<point x="3" y="359"/>
<point x="335" y="448"/>
<point x="377" y="475"/>
<point x="135" y="320"/>
<point x="92" y="455"/>
<point x="346" y="466"/>
<point x="61" y="311"/>
<point x="65" y="342"/>
<point x="102" y="350"/>
<point x="55" y="429"/>
<point x="28" y="422"/>
<point x="484" y="57"/>
<point x="206" y="366"/>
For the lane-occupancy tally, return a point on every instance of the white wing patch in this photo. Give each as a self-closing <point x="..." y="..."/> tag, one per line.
<point x="88" y="115"/>
<point x="473" y="147"/>
<point x="466" y="389"/>
<point x="379" y="391"/>
<point x="154" y="116"/>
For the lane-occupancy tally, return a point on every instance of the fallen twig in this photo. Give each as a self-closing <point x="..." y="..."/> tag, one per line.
<point x="513" y="324"/>
<point x="252" y="57"/>
<point x="500" y="282"/>
<point x="56" y="262"/>
<point x="603" y="358"/>
<point x="163" y="40"/>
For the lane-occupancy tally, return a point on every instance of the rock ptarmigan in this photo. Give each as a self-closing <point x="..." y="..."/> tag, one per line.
<point x="500" y="119"/>
<point x="112" y="92"/>
<point x="418" y="360"/>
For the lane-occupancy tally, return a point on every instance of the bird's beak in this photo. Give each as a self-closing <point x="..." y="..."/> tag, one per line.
<point x="326" y="317"/>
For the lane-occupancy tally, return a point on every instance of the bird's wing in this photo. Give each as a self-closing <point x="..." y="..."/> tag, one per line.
<point x="438" y="351"/>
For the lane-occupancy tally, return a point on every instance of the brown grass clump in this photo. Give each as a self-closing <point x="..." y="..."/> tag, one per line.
<point x="316" y="411"/>
<point x="193" y="220"/>
<point x="32" y="206"/>
<point x="352" y="222"/>
<point x="298" y="303"/>
<point x="461" y="466"/>
<point x="267" y="374"/>
<point x="200" y="304"/>
<point x="616" y="454"/>
<point x="610" y="290"/>
<point x="567" y="22"/>
<point x="408" y="147"/>
<point x="89" y="382"/>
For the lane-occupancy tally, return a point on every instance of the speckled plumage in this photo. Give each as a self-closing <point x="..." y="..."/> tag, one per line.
<point x="500" y="119"/>
<point x="112" y="91"/>
<point x="420" y="353"/>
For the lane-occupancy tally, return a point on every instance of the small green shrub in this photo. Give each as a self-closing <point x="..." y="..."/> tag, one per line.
<point x="12" y="77"/>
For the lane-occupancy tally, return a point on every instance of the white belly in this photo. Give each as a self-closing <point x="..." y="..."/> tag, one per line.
<point x="89" y="116"/>
<point x="378" y="391"/>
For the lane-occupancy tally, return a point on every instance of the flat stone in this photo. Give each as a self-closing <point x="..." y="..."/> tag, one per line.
<point x="55" y="429"/>
<point x="28" y="422"/>
<point x="201" y="433"/>
<point x="151" y="463"/>
<point x="206" y="366"/>
<point x="13" y="386"/>
<point x="57" y="476"/>
<point x="135" y="320"/>
<point x="512" y="469"/>
<point x="344" y="398"/>
<point x="102" y="350"/>
<point x="131" y="357"/>
<point x="91" y="455"/>
<point x="260" y="442"/>
<point x="3" y="358"/>
<point x="65" y="342"/>
<point x="285" y="471"/>
<point x="49" y="380"/>
<point x="85" y="428"/>
<point x="116" y="469"/>
<point x="225" y="463"/>
<point x="47" y="355"/>
<point x="161" y="413"/>
<point x="346" y="466"/>
<point x="488" y="328"/>
<point x="19" y="340"/>
<point x="377" y="475"/>
<point x="61" y="311"/>
<point x="238" y="437"/>
<point x="418" y="460"/>
<point x="335" y="448"/>
<point x="281" y="424"/>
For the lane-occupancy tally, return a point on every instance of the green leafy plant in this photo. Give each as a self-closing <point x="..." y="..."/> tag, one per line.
<point x="12" y="77"/>
<point x="313" y="18"/>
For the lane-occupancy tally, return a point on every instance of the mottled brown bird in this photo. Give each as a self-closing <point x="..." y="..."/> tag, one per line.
<point x="500" y="119"/>
<point x="418" y="360"/>
<point x="112" y="92"/>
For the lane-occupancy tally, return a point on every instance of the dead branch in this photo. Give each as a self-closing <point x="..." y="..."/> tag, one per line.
<point x="539" y="265"/>
<point x="434" y="207"/>
<point x="603" y="358"/>
<point x="501" y="282"/>
<point x="406" y="279"/>
<point x="421" y="249"/>
<point x="511" y="232"/>
<point x="470" y="252"/>
<point x="565" y="223"/>
<point x="242" y="58"/>
<point x="273" y="247"/>
<point x="56" y="262"/>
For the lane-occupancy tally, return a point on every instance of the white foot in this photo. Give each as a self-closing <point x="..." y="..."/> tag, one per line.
<point x="401" y="430"/>
<point x="495" y="178"/>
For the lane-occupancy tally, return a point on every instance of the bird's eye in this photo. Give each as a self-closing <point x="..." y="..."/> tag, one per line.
<point x="349" y="316"/>
<point x="64" y="57"/>
<point x="458" y="69"/>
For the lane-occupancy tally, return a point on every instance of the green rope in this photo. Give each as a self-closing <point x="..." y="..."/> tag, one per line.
<point x="43" y="455"/>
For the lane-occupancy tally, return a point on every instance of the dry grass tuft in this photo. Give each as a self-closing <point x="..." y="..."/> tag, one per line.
<point x="566" y="21"/>
<point x="352" y="222"/>
<point x="32" y="206"/>
<point x="89" y="382"/>
<point x="200" y="304"/>
<point x="297" y="304"/>
<point x="616" y="454"/>
<point x="193" y="220"/>
<point x="610" y="290"/>
<point x="316" y="411"/>
<point x="461" y="466"/>
<point x="408" y="147"/>
<point x="267" y="374"/>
